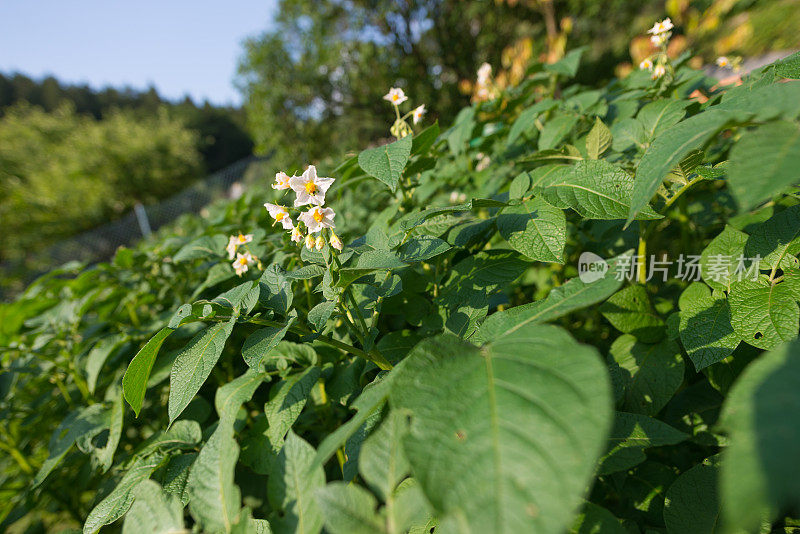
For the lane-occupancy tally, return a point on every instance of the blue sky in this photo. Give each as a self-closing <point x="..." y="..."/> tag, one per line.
<point x="180" y="46"/>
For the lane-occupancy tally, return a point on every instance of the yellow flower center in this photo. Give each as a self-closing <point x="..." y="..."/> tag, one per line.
<point x="241" y="238"/>
<point x="318" y="216"/>
<point x="279" y="216"/>
<point x="311" y="188"/>
<point x="395" y="98"/>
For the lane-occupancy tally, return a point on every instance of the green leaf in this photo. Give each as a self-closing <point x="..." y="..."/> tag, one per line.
<point x="567" y="65"/>
<point x="119" y="501"/>
<point x="630" y="435"/>
<point x="422" y="248"/>
<point x="598" y="140"/>
<point x="318" y="315"/>
<point x="720" y="259"/>
<point x="535" y="229"/>
<point x="204" y="247"/>
<point x="83" y="423"/>
<point x="214" y="499"/>
<point x="595" y="519"/>
<point x="423" y="141"/>
<point x="777" y="240"/>
<point x="291" y="486"/>
<point x="631" y="313"/>
<point x="573" y="295"/>
<point x="275" y="289"/>
<point x="652" y="373"/>
<point x="788" y="67"/>
<point x="381" y="460"/>
<point x="98" y="355"/>
<point x="692" y="501"/>
<point x="556" y="130"/>
<point x="764" y="163"/>
<point x="386" y="163"/>
<point x="760" y="474"/>
<point x="193" y="365"/>
<point x="258" y="344"/>
<point x="763" y="314"/>
<point x="667" y="151"/>
<point x="519" y="186"/>
<point x="230" y="397"/>
<point x="284" y="408"/>
<point x="627" y="133"/>
<point x="153" y="511"/>
<point x="526" y="121"/>
<point x="594" y="189"/>
<point x="134" y="383"/>
<point x="349" y="509"/>
<point x="705" y="327"/>
<point x="518" y="427"/>
<point x="176" y="473"/>
<point x="461" y="132"/>
<point x="658" y="116"/>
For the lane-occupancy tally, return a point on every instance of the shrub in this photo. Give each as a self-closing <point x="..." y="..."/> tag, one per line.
<point x="450" y="369"/>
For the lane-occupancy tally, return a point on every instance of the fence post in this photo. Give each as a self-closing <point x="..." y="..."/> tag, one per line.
<point x="141" y="218"/>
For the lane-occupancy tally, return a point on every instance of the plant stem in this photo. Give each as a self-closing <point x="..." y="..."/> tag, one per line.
<point x="681" y="191"/>
<point x="641" y="274"/>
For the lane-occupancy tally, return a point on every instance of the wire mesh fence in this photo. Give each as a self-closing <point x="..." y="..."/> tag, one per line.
<point x="102" y="242"/>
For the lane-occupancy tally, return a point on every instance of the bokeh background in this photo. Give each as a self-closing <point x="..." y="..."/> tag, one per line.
<point x="106" y="106"/>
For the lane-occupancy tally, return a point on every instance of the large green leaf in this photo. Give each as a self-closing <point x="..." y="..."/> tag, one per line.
<point x="776" y="241"/>
<point x="386" y="163"/>
<point x="719" y="261"/>
<point x="134" y="383"/>
<point x="292" y="482"/>
<point x="259" y="343"/>
<point x="764" y="163"/>
<point x="381" y="460"/>
<point x="518" y="425"/>
<point x="760" y="473"/>
<point x="193" y="365"/>
<point x="214" y="499"/>
<point x="349" y="509"/>
<point x="705" y="326"/>
<point x="594" y="189"/>
<point x="556" y="130"/>
<point x="668" y="149"/>
<point x="153" y="511"/>
<point x="535" y="229"/>
<point x="658" y="116"/>
<point x="526" y="122"/>
<point x="652" y="373"/>
<point x="598" y="140"/>
<point x="573" y="295"/>
<point x="692" y="501"/>
<point x="763" y="314"/>
<point x="631" y="313"/>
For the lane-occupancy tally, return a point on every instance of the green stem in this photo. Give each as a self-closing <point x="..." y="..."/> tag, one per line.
<point x="641" y="253"/>
<point x="377" y="359"/>
<point x="681" y="191"/>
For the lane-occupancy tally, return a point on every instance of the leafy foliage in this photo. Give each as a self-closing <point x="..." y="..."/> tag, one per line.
<point x="410" y="382"/>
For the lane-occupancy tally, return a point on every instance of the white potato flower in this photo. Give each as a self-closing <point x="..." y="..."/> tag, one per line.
<point x="418" y="112"/>
<point x="336" y="242"/>
<point x="658" y="72"/>
<point x="297" y="235"/>
<point x="280" y="214"/>
<point x="309" y="187"/>
<point x="659" y="40"/>
<point x="723" y="61"/>
<point x="646" y="64"/>
<point x="235" y="241"/>
<point x="318" y="218"/>
<point x="661" y="27"/>
<point x="484" y="73"/>
<point x="281" y="181"/>
<point x="242" y="263"/>
<point x="396" y="96"/>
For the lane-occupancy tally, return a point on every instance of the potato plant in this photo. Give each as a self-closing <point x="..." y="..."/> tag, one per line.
<point x="522" y="323"/>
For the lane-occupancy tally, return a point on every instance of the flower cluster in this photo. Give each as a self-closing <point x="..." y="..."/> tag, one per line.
<point x="485" y="88"/>
<point x="658" y="63"/>
<point x="310" y="190"/>
<point x="400" y="128"/>
<point x="244" y="260"/>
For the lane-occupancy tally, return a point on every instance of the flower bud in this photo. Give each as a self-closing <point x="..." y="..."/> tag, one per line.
<point x="320" y="242"/>
<point x="336" y="242"/>
<point x="310" y="242"/>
